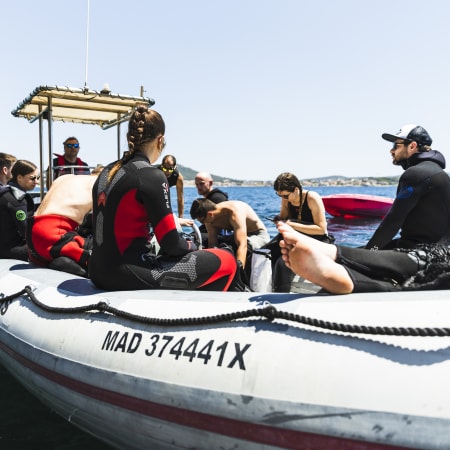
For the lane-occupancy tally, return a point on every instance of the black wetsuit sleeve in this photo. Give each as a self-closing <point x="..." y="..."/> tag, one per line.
<point x="154" y="193"/>
<point x="409" y="193"/>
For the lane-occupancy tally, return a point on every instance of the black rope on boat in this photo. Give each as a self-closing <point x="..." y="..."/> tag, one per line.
<point x="269" y="312"/>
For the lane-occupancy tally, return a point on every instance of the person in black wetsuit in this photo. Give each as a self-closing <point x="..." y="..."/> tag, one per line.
<point x="204" y="184"/>
<point x="129" y="197"/>
<point x="421" y="209"/>
<point x="343" y="270"/>
<point x="175" y="178"/>
<point x="16" y="208"/>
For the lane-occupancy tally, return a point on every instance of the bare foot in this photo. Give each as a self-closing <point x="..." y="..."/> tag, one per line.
<point x="314" y="260"/>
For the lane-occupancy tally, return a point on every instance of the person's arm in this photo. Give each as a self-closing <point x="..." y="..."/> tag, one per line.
<point x="406" y="199"/>
<point x="180" y="195"/>
<point x="154" y="194"/>
<point x="284" y="209"/>
<point x="239" y="224"/>
<point x="213" y="232"/>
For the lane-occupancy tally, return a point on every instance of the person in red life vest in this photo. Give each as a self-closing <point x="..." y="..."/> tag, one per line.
<point x="57" y="237"/>
<point x="130" y="198"/>
<point x="62" y="163"/>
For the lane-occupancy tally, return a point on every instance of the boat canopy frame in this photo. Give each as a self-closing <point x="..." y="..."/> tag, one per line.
<point x="84" y="106"/>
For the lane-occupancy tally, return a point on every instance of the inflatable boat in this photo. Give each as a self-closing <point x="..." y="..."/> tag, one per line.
<point x="356" y="205"/>
<point x="211" y="370"/>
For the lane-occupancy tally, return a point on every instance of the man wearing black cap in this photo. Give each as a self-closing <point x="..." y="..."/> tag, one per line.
<point x="421" y="209"/>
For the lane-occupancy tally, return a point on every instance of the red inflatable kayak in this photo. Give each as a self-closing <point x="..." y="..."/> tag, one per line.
<point x="356" y="205"/>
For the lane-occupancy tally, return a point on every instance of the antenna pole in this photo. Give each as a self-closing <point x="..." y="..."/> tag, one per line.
<point x="87" y="45"/>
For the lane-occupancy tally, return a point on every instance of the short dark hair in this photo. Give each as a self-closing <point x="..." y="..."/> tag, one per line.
<point x="22" y="167"/>
<point x="200" y="208"/>
<point x="7" y="160"/>
<point x="71" y="138"/>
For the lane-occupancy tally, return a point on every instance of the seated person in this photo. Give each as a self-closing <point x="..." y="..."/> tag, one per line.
<point x="17" y="209"/>
<point x="304" y="211"/>
<point x="421" y="209"/>
<point x="131" y="197"/>
<point x="232" y="215"/>
<point x="54" y="238"/>
<point x="342" y="270"/>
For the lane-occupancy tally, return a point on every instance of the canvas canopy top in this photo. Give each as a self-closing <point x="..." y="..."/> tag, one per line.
<point x="84" y="106"/>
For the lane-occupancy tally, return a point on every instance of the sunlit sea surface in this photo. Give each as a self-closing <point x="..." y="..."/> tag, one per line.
<point x="265" y="202"/>
<point x="25" y="423"/>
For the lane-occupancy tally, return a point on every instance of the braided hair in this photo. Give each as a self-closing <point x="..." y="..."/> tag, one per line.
<point x="145" y="125"/>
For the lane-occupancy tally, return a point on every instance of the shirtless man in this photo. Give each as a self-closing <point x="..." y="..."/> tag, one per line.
<point x="232" y="215"/>
<point x="54" y="240"/>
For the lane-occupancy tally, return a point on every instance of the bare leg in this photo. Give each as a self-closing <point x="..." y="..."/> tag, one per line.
<point x="314" y="260"/>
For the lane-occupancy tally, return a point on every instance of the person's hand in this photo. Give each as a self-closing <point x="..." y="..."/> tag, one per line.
<point x="185" y="222"/>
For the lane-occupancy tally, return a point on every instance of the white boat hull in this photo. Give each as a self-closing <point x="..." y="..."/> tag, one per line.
<point x="249" y="383"/>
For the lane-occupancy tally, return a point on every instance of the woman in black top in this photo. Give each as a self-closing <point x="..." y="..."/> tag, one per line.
<point x="304" y="211"/>
<point x="130" y="197"/>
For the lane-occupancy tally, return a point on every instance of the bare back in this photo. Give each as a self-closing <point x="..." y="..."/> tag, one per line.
<point x="69" y="196"/>
<point x="228" y="214"/>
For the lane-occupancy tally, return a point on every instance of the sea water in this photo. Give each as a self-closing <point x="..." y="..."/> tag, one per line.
<point x="25" y="423"/>
<point x="265" y="202"/>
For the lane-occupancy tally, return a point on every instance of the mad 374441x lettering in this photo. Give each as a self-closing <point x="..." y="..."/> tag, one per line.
<point x="222" y="354"/>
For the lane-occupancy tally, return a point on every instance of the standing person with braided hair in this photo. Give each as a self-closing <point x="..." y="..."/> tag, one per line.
<point x="129" y="197"/>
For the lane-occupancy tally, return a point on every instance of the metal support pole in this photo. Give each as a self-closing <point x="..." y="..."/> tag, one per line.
<point x="118" y="138"/>
<point x="50" y="147"/>
<point x="41" y="155"/>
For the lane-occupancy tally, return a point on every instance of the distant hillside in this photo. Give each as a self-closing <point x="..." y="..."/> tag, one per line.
<point x="189" y="175"/>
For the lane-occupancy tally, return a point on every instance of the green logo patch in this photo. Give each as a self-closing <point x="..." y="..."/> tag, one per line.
<point x="21" y="215"/>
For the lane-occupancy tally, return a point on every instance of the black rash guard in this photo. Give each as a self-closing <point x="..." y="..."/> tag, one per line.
<point x="136" y="198"/>
<point x="421" y="209"/>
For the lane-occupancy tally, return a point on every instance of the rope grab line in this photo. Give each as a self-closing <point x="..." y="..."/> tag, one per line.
<point x="268" y="312"/>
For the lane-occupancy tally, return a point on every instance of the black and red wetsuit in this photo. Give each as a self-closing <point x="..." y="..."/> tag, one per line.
<point x="136" y="198"/>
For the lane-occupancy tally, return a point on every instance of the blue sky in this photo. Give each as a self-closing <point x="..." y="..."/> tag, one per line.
<point x="247" y="88"/>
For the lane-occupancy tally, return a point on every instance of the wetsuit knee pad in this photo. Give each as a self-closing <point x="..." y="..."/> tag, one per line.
<point x="222" y="275"/>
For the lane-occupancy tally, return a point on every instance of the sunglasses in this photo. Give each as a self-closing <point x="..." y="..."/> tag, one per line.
<point x="396" y="144"/>
<point x="35" y="177"/>
<point x="165" y="169"/>
<point x="285" y="196"/>
<point x="72" y="145"/>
